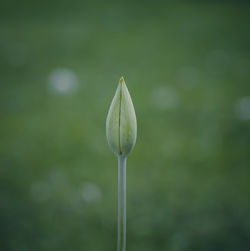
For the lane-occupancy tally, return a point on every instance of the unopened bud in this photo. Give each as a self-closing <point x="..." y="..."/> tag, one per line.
<point x="121" y="126"/>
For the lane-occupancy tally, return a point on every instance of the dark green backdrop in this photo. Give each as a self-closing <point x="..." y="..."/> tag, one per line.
<point x="186" y="65"/>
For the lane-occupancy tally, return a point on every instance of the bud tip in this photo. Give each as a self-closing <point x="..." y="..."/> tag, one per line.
<point x="121" y="80"/>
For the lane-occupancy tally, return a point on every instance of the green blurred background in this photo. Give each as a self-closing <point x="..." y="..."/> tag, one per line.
<point x="187" y="66"/>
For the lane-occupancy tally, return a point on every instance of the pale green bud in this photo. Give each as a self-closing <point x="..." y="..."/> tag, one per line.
<point x="121" y="126"/>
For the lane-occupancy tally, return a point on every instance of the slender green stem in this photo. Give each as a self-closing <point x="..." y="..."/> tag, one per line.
<point x="121" y="231"/>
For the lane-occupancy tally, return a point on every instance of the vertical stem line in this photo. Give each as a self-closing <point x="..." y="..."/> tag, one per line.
<point x="121" y="230"/>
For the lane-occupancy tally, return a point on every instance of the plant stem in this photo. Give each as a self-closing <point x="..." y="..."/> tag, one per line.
<point x="121" y="231"/>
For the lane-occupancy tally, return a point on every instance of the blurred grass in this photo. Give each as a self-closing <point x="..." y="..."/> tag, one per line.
<point x="187" y="68"/>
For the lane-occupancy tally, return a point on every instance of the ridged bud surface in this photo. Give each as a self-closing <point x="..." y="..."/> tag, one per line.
<point x="121" y="126"/>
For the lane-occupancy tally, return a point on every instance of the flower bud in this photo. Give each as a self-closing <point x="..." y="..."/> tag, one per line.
<point x="121" y="126"/>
